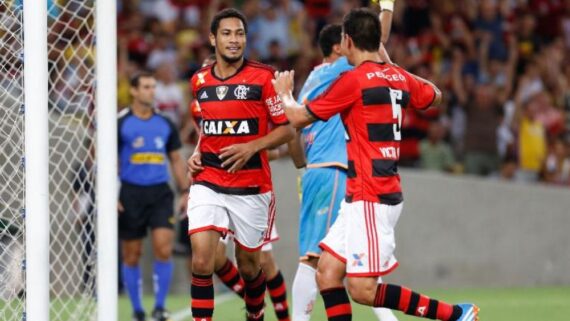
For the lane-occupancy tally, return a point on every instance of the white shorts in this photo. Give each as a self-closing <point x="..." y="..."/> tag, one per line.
<point x="247" y="217"/>
<point x="363" y="238"/>
<point x="267" y="245"/>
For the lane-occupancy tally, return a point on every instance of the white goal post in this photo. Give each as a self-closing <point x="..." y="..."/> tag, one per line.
<point x="58" y="160"/>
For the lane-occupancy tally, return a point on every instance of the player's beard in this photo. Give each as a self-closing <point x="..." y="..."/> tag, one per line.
<point x="231" y="60"/>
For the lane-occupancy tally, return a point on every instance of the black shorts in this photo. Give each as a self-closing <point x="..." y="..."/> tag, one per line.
<point x="145" y="207"/>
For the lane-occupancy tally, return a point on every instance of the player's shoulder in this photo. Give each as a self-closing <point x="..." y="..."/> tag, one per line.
<point x="199" y="77"/>
<point x="124" y="113"/>
<point x="260" y="67"/>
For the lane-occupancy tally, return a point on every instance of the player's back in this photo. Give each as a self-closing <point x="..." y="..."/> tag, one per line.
<point x="324" y="142"/>
<point x="370" y="99"/>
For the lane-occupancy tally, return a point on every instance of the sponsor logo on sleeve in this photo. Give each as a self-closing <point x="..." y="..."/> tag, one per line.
<point x="275" y="106"/>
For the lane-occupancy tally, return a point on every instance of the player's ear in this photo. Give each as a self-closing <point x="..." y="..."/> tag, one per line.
<point x="337" y="49"/>
<point x="212" y="40"/>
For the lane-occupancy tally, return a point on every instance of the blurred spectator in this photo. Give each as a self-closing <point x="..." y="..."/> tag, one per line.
<point x="476" y="50"/>
<point x="169" y="98"/>
<point x="509" y="167"/>
<point x="435" y="153"/>
<point x="274" y="25"/>
<point x="531" y="142"/>
<point x="557" y="167"/>
<point x="163" y="52"/>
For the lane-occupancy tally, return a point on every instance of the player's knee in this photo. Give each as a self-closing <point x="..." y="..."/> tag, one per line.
<point x="201" y="265"/>
<point x="326" y="278"/>
<point x="132" y="257"/>
<point x="248" y="270"/>
<point x="268" y="264"/>
<point x="163" y="253"/>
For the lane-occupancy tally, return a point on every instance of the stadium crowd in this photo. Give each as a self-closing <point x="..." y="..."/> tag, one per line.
<point x="504" y="66"/>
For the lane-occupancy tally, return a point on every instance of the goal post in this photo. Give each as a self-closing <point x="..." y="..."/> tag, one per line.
<point x="58" y="160"/>
<point x="107" y="187"/>
<point x="37" y="223"/>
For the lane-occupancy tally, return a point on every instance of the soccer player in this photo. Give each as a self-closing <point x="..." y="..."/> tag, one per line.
<point x="232" y="190"/>
<point x="360" y="244"/>
<point x="324" y="181"/>
<point x="148" y="141"/>
<point x="225" y="269"/>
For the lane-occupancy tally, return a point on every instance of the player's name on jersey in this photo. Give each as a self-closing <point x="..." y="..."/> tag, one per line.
<point x="230" y="127"/>
<point x="382" y="75"/>
<point x="229" y="92"/>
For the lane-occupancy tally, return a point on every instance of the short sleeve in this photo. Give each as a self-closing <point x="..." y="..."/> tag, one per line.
<point x="192" y="85"/>
<point x="273" y="103"/>
<point x="341" y="94"/>
<point x="422" y="95"/>
<point x="173" y="142"/>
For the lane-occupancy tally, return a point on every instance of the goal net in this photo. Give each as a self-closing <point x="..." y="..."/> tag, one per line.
<point x="11" y="163"/>
<point x="72" y="161"/>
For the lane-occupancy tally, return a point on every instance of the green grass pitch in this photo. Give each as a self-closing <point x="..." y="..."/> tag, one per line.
<point x="518" y="304"/>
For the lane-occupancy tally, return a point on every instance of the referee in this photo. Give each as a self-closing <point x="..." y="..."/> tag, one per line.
<point x="148" y="141"/>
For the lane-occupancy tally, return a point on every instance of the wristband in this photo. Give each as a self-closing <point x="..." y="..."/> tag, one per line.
<point x="387" y="5"/>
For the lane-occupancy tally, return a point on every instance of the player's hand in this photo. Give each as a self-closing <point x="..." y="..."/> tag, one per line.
<point x="120" y="207"/>
<point x="195" y="164"/>
<point x="183" y="204"/>
<point x="283" y="82"/>
<point x="235" y="156"/>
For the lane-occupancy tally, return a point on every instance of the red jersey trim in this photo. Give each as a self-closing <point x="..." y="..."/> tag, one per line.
<point x="368" y="274"/>
<point x="313" y="113"/>
<point x="326" y="248"/>
<point x="248" y="249"/>
<point x="257" y="64"/>
<point x="222" y="230"/>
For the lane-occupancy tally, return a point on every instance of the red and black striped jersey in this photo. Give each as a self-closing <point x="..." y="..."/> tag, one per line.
<point x="235" y="110"/>
<point x="370" y="99"/>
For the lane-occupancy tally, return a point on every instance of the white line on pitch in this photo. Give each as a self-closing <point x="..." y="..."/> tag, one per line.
<point x="185" y="313"/>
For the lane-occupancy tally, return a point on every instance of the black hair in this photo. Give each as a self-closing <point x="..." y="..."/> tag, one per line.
<point x="329" y="36"/>
<point x="363" y="26"/>
<point x="136" y="79"/>
<point x="224" y="14"/>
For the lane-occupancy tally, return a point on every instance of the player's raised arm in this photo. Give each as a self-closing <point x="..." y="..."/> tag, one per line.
<point x="297" y="114"/>
<point x="385" y="16"/>
<point x="341" y="94"/>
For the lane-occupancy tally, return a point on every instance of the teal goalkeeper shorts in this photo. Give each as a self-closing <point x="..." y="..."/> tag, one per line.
<point x="322" y="191"/>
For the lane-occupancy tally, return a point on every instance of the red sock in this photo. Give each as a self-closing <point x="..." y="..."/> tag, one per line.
<point x="400" y="298"/>
<point x="278" y="294"/>
<point x="202" y="293"/>
<point x="254" y="297"/>
<point x="229" y="275"/>
<point x="337" y="304"/>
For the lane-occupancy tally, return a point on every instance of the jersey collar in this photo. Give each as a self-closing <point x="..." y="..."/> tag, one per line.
<point x="229" y="77"/>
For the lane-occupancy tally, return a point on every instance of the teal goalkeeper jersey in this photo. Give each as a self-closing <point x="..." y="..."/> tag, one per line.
<point x="324" y="142"/>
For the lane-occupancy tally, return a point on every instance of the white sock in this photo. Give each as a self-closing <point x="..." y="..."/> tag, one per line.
<point x="384" y="314"/>
<point x="304" y="292"/>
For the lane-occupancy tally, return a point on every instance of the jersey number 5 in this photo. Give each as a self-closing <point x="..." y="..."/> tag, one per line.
<point x="396" y="98"/>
